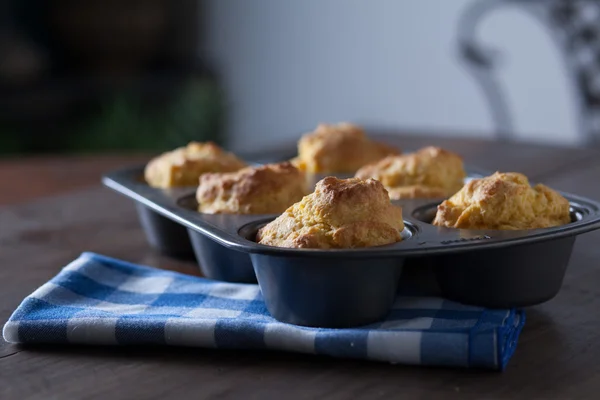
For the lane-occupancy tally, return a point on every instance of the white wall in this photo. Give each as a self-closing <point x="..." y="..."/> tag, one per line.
<point x="288" y="65"/>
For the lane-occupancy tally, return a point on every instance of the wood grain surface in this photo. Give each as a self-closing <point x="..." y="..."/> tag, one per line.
<point x="557" y="356"/>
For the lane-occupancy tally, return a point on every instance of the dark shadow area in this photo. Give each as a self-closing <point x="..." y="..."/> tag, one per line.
<point x="101" y="75"/>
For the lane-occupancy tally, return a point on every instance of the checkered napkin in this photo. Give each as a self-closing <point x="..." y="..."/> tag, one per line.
<point x="103" y="301"/>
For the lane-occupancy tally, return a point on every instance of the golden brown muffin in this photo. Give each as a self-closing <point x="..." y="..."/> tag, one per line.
<point x="427" y="173"/>
<point x="341" y="148"/>
<point x="503" y="201"/>
<point x="268" y="189"/>
<point x="341" y="213"/>
<point x="183" y="166"/>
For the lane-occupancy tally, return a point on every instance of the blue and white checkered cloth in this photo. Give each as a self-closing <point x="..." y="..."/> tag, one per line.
<point x="103" y="301"/>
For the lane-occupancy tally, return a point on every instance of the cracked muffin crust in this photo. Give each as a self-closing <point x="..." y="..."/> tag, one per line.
<point x="340" y="213"/>
<point x="184" y="165"/>
<point x="428" y="173"/>
<point x="340" y="148"/>
<point x="268" y="189"/>
<point x="504" y="201"/>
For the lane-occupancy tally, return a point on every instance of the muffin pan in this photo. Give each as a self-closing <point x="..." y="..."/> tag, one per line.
<point x="163" y="234"/>
<point x="350" y="287"/>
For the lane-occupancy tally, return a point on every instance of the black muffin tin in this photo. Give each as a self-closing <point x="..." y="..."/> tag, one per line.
<point x="350" y="287"/>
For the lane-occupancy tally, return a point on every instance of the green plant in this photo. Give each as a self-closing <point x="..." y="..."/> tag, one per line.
<point x="10" y="141"/>
<point x="126" y="124"/>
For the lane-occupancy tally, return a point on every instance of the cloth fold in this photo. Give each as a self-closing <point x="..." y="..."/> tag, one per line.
<point x="104" y="301"/>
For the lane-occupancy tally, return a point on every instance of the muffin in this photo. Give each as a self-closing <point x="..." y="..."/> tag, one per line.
<point x="503" y="201"/>
<point x="340" y="213"/>
<point x="428" y="173"/>
<point x="183" y="166"/>
<point x="268" y="189"/>
<point x="341" y="148"/>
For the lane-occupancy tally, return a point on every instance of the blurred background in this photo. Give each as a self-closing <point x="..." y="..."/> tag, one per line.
<point x="148" y="75"/>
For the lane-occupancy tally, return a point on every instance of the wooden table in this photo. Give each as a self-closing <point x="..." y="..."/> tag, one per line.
<point x="557" y="357"/>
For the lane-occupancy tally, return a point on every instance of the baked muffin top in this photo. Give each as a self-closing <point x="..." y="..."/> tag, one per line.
<point x="503" y="201"/>
<point x="340" y="213"/>
<point x="268" y="189"/>
<point x="184" y="165"/>
<point x="341" y="148"/>
<point x="429" y="172"/>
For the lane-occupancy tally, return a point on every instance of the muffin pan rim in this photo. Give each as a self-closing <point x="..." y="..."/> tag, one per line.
<point x="427" y="239"/>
